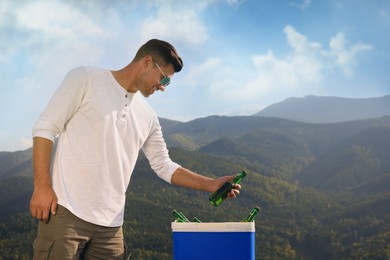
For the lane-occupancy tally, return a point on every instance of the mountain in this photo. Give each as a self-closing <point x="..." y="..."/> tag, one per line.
<point x="360" y="161"/>
<point x="274" y="146"/>
<point x="11" y="162"/>
<point x="201" y="131"/>
<point x="322" y="188"/>
<point x="16" y="182"/>
<point x="314" y="109"/>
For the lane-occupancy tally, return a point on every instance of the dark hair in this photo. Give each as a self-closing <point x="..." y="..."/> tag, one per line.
<point x="162" y="52"/>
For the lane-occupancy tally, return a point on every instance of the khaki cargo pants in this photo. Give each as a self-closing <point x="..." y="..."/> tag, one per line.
<point x="68" y="237"/>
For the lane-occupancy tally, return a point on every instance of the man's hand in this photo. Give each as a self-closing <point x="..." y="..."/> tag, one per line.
<point x="222" y="180"/>
<point x="43" y="203"/>
<point x="43" y="200"/>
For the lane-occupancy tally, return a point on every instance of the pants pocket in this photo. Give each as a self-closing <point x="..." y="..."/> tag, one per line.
<point x="42" y="248"/>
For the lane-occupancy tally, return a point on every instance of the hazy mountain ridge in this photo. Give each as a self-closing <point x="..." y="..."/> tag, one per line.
<point x="205" y="130"/>
<point x="11" y="162"/>
<point x="200" y="132"/>
<point x="316" y="109"/>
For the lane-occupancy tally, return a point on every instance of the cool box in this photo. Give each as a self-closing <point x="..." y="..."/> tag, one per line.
<point x="213" y="241"/>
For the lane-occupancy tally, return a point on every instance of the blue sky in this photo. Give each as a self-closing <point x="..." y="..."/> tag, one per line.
<point x="239" y="55"/>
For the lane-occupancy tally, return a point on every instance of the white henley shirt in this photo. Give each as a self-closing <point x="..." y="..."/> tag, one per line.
<point x="101" y="129"/>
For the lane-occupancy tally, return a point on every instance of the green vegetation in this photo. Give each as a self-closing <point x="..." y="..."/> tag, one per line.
<point x="322" y="189"/>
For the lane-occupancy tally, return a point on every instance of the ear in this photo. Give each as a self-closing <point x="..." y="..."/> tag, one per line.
<point x="148" y="61"/>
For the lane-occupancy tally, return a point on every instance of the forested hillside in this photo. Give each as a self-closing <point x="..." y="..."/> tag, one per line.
<point x="322" y="188"/>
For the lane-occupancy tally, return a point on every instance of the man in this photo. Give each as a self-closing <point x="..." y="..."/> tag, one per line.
<point x="102" y="122"/>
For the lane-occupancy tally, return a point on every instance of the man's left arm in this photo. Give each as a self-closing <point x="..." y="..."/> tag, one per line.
<point x="156" y="151"/>
<point x="189" y="179"/>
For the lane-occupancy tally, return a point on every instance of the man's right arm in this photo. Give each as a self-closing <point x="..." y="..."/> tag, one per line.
<point x="65" y="102"/>
<point x="43" y="200"/>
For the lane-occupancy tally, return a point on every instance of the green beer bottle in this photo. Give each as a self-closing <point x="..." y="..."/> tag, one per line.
<point x="252" y="215"/>
<point x="220" y="195"/>
<point x="179" y="217"/>
<point x="195" y="219"/>
<point x="184" y="217"/>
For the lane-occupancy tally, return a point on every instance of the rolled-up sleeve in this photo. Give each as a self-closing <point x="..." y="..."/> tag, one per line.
<point x="62" y="106"/>
<point x="156" y="151"/>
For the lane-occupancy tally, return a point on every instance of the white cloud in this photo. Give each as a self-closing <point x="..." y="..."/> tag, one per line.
<point x="305" y="60"/>
<point x="43" y="23"/>
<point x="202" y="74"/>
<point x="301" y="70"/>
<point x="218" y="77"/>
<point x="24" y="144"/>
<point x="299" y="42"/>
<point x="47" y="34"/>
<point x="58" y="31"/>
<point x="56" y="19"/>
<point x="183" y="26"/>
<point x="345" y="57"/>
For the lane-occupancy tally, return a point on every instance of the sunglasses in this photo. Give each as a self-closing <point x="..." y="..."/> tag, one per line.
<point x="166" y="80"/>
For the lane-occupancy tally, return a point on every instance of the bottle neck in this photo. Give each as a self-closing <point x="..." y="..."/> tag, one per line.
<point x="239" y="177"/>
